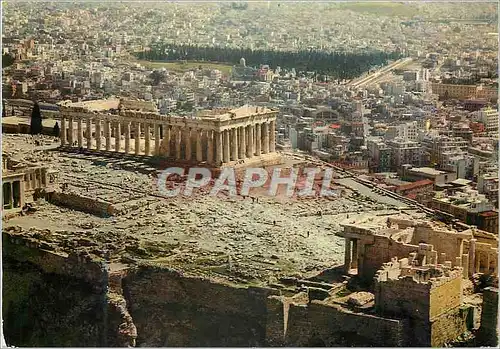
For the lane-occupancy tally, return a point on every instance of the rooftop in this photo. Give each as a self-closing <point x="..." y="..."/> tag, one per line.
<point x="427" y="170"/>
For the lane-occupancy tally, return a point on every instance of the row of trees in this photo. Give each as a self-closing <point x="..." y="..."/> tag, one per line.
<point x="339" y="65"/>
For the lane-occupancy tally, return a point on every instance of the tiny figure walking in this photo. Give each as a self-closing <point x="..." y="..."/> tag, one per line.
<point x="308" y="233"/>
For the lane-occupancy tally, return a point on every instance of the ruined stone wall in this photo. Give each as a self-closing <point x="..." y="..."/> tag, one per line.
<point x="443" y="241"/>
<point x="446" y="296"/>
<point x="170" y="309"/>
<point x="51" y="299"/>
<point x="277" y="320"/>
<point x="81" y="203"/>
<point x="43" y="309"/>
<point x="433" y="316"/>
<point x="74" y="301"/>
<point x="403" y="298"/>
<point x="80" y="266"/>
<point x="448" y="326"/>
<point x="323" y="324"/>
<point x="489" y="331"/>
<point x="381" y="251"/>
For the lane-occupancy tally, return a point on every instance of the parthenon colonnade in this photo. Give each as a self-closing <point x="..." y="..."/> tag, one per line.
<point x="214" y="139"/>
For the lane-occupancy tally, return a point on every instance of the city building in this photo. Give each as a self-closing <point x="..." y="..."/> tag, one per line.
<point x="468" y="206"/>
<point x="420" y="173"/>
<point x="405" y="152"/>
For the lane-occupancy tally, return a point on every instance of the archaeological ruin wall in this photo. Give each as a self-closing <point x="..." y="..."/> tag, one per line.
<point x="369" y="247"/>
<point x="428" y="296"/>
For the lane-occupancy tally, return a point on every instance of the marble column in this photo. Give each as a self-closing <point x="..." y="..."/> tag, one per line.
<point x="79" y="128"/>
<point x="157" y="139"/>
<point x="258" y="139"/>
<point x="226" y="147"/>
<point x="265" y="142"/>
<point x="234" y="143"/>
<point x="107" y="131"/>
<point x="472" y="256"/>
<point x="89" y="133"/>
<point x="70" y="131"/>
<point x="166" y="139"/>
<point x="210" y="147"/>
<point x="137" y="136"/>
<point x="218" y="147"/>
<point x="354" y="259"/>
<point x="199" y="150"/>
<point x="187" y="145"/>
<point x="251" y="141"/>
<point x="488" y="260"/>
<point x="465" y="265"/>
<point x="272" y="136"/>
<point x="98" y="139"/>
<point x="478" y="262"/>
<point x="127" y="137"/>
<point x="178" y="136"/>
<point x="147" y="135"/>
<point x="118" y="136"/>
<point x="242" y="137"/>
<point x="63" y="130"/>
<point x="347" y="256"/>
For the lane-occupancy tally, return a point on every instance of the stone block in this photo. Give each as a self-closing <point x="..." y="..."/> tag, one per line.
<point x="360" y="298"/>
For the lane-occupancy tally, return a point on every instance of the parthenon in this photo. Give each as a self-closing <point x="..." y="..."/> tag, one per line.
<point x="213" y="137"/>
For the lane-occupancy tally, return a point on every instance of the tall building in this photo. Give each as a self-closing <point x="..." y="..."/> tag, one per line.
<point x="408" y="131"/>
<point x="380" y="155"/>
<point x="405" y="152"/>
<point x="437" y="145"/>
<point x="489" y="117"/>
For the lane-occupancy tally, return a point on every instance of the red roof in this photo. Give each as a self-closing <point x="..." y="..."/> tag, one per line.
<point x="334" y="126"/>
<point x="489" y="213"/>
<point x="414" y="185"/>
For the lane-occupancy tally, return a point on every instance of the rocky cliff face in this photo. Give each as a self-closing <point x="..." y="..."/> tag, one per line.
<point x="171" y="309"/>
<point x="46" y="309"/>
<point x="53" y="299"/>
<point x="148" y="307"/>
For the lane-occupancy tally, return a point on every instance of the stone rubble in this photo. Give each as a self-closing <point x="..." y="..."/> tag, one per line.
<point x="269" y="237"/>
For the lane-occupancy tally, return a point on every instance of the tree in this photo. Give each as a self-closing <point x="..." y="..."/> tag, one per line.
<point x="56" y="131"/>
<point x="4" y="113"/>
<point x="7" y="60"/>
<point x="36" y="120"/>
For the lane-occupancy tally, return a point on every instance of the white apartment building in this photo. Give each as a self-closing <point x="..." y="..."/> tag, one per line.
<point x="461" y="163"/>
<point x="437" y="145"/>
<point x="408" y="131"/>
<point x="405" y="152"/>
<point x="489" y="117"/>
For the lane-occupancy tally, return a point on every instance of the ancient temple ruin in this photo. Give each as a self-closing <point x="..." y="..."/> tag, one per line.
<point x="214" y="137"/>
<point x="367" y="246"/>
